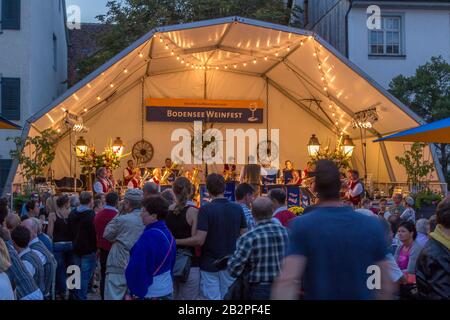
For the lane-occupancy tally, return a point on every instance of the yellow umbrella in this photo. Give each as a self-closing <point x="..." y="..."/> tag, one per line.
<point x="6" y="124"/>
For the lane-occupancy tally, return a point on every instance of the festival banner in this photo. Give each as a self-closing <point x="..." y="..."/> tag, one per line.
<point x="269" y="179"/>
<point x="230" y="189"/>
<point x="213" y="111"/>
<point x="229" y="193"/>
<point x="293" y="196"/>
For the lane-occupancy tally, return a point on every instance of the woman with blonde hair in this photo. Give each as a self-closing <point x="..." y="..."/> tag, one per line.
<point x="6" y="292"/>
<point x="182" y="223"/>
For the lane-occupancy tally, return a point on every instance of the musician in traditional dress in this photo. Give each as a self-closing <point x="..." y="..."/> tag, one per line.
<point x="102" y="185"/>
<point x="169" y="166"/>
<point x="355" y="191"/>
<point x="110" y="179"/>
<point x="131" y="176"/>
<point x="156" y="178"/>
<point x="296" y="179"/>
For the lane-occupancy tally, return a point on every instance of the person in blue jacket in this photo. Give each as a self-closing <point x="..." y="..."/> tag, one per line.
<point x="150" y="268"/>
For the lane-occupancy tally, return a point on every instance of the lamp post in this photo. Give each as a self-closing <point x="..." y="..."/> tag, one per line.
<point x="81" y="147"/>
<point x="313" y="146"/>
<point x="347" y="146"/>
<point x="118" y="147"/>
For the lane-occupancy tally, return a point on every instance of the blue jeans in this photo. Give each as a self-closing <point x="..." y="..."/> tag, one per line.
<point x="214" y="285"/>
<point x="87" y="265"/>
<point x="64" y="257"/>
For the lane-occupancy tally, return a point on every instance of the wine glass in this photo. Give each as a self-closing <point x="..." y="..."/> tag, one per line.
<point x="253" y="108"/>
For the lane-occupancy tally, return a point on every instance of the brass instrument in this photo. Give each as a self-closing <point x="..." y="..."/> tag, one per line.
<point x="167" y="173"/>
<point x="228" y="175"/>
<point x="196" y="183"/>
<point x="144" y="178"/>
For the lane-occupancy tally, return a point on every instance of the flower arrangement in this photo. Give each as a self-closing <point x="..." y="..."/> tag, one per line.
<point x="341" y="159"/>
<point x="298" y="211"/>
<point x="108" y="159"/>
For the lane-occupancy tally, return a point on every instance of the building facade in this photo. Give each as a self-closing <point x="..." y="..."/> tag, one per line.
<point x="409" y="33"/>
<point x="33" y="63"/>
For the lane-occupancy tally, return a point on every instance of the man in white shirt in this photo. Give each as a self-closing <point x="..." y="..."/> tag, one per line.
<point x="102" y="186"/>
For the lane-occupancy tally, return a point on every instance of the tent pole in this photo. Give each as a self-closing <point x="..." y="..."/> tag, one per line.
<point x="387" y="161"/>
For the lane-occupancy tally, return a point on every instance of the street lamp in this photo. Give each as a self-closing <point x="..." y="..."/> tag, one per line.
<point x="81" y="147"/>
<point x="117" y="147"/>
<point x="347" y="146"/>
<point x="313" y="146"/>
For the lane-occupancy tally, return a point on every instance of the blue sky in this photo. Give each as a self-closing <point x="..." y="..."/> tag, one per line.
<point x="89" y="8"/>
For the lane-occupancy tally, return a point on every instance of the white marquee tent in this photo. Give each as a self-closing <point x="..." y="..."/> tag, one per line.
<point x="307" y="88"/>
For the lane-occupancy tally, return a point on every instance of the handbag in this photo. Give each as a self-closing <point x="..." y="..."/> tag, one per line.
<point x="182" y="265"/>
<point x="240" y="289"/>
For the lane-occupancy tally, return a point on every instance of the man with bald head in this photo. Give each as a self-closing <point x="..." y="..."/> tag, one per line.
<point x="260" y="251"/>
<point x="46" y="257"/>
<point x="12" y="221"/>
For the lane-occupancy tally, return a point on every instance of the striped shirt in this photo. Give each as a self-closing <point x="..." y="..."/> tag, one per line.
<point x="49" y="265"/>
<point x="20" y="278"/>
<point x="260" y="251"/>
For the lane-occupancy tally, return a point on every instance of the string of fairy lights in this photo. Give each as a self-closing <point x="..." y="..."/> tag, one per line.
<point x="337" y="114"/>
<point x="189" y="60"/>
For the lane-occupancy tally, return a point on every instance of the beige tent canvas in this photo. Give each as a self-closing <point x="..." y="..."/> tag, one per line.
<point x="306" y="87"/>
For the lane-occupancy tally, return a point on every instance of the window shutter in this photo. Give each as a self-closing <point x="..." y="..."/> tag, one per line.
<point x="5" y="165"/>
<point x="10" y="99"/>
<point x="11" y="14"/>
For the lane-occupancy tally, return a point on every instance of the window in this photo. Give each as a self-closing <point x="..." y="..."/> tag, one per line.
<point x="10" y="15"/>
<point x="388" y="39"/>
<point x="55" y="52"/>
<point x="10" y="98"/>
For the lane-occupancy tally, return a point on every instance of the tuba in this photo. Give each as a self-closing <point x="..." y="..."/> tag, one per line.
<point x="167" y="173"/>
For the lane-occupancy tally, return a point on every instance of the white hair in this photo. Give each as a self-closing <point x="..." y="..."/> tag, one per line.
<point x="422" y="225"/>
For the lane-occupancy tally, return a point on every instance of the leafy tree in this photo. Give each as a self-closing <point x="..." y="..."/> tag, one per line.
<point x="427" y="93"/>
<point x="416" y="168"/>
<point x="42" y="153"/>
<point x="130" y="19"/>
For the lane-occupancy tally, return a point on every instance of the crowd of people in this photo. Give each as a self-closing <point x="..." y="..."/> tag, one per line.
<point x="160" y="246"/>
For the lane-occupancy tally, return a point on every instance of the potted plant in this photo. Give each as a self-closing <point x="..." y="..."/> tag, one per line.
<point x="426" y="202"/>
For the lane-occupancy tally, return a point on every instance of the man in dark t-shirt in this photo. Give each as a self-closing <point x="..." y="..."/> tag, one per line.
<point x="335" y="253"/>
<point x="220" y="224"/>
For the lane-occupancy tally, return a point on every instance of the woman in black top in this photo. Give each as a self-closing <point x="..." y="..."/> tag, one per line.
<point x="62" y="244"/>
<point x="182" y="223"/>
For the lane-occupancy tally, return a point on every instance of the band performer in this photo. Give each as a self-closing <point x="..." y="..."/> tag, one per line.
<point x="131" y="176"/>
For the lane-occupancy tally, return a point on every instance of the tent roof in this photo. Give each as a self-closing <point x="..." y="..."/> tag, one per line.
<point x="436" y="132"/>
<point x="298" y="63"/>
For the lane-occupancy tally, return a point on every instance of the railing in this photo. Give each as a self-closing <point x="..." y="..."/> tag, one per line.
<point x="386" y="189"/>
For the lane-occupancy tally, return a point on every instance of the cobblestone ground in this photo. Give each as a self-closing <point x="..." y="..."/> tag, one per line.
<point x="94" y="293"/>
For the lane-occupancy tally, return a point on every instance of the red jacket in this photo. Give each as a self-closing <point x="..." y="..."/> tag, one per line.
<point x="101" y="220"/>
<point x="285" y="217"/>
